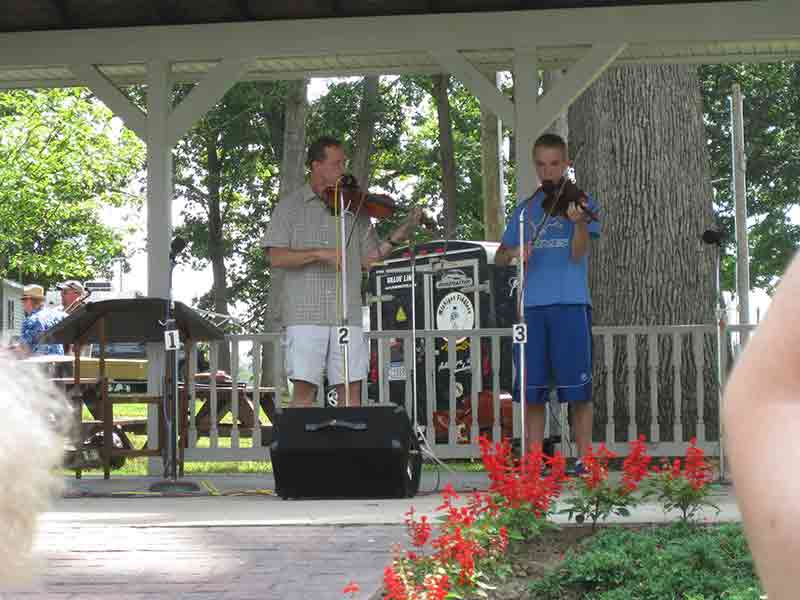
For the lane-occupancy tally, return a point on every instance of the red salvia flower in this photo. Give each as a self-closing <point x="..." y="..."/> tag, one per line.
<point x="395" y="587"/>
<point x="351" y="588"/>
<point x="437" y="587"/>
<point x="698" y="472"/>
<point x="448" y="495"/>
<point x="420" y="532"/>
<point x="635" y="464"/>
<point x="522" y="483"/>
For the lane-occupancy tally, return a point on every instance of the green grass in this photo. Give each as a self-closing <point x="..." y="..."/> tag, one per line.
<point x="138" y="466"/>
<point x="685" y="562"/>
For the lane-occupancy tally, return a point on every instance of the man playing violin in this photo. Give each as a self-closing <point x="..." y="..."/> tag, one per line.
<point x="557" y="303"/>
<point x="303" y="239"/>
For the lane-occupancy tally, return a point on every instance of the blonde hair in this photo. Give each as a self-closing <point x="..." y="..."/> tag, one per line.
<point x="36" y="420"/>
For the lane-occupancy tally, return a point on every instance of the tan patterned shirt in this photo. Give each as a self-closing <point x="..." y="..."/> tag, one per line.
<point x="308" y="295"/>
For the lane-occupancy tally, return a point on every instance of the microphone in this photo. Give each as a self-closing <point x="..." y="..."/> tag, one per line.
<point x="711" y="236"/>
<point x="177" y="246"/>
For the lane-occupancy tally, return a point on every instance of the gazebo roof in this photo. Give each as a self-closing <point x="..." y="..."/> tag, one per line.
<point x="299" y="38"/>
<point x="50" y="15"/>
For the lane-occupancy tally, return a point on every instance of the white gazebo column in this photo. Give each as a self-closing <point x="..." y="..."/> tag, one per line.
<point x="159" y="228"/>
<point x="159" y="178"/>
<point x="526" y="93"/>
<point x="160" y="129"/>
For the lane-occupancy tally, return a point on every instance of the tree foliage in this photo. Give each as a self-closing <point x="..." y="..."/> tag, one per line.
<point x="227" y="171"/>
<point x="61" y="160"/>
<point x="772" y="146"/>
<point x="246" y="133"/>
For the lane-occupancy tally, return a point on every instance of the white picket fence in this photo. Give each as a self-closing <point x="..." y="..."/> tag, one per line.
<point x="694" y="405"/>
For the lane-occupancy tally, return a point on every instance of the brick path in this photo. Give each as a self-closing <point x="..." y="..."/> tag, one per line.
<point x="248" y="562"/>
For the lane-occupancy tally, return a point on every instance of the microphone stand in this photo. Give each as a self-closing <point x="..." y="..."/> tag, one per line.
<point x="343" y="275"/>
<point x="413" y="379"/>
<point x="714" y="238"/>
<point x="521" y="323"/>
<point x="522" y="274"/>
<point x="171" y="404"/>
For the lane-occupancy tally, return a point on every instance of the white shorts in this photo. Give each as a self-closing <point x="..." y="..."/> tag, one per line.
<point x="314" y="349"/>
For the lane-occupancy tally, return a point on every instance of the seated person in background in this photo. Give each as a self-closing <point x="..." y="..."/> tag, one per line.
<point x="761" y="415"/>
<point x="38" y="319"/>
<point x="71" y="293"/>
<point x="72" y="298"/>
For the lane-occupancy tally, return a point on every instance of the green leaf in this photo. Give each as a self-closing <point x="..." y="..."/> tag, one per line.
<point x="61" y="162"/>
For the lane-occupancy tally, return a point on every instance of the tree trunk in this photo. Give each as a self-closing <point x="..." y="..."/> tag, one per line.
<point x="641" y="151"/>
<point x="216" y="242"/>
<point x="367" y="117"/>
<point x="446" y="152"/>
<point x="294" y="138"/>
<point x="292" y="176"/>
<point x="494" y="215"/>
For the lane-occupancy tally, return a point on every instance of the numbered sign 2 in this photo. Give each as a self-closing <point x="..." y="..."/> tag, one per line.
<point x="343" y="333"/>
<point x="519" y="333"/>
<point x="172" y="340"/>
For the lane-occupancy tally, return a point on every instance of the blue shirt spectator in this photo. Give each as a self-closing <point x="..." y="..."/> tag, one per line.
<point x="38" y="319"/>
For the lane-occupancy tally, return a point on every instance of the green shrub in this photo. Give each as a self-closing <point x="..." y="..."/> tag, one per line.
<point x="678" y="562"/>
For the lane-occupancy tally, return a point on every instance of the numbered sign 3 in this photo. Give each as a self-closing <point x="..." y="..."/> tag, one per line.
<point x="172" y="339"/>
<point x="333" y="398"/>
<point x="519" y="333"/>
<point x="343" y="333"/>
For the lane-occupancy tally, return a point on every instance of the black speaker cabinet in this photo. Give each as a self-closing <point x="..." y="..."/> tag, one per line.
<point x="363" y="452"/>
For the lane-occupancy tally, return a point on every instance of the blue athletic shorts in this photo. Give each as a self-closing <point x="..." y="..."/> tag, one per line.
<point x="558" y="353"/>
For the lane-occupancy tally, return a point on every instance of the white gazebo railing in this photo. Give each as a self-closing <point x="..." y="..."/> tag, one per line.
<point x="660" y="382"/>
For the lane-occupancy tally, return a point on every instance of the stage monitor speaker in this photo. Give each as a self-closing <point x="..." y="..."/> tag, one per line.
<point x="363" y="452"/>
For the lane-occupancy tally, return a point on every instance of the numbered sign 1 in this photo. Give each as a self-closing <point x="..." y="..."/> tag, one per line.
<point x="344" y="336"/>
<point x="519" y="333"/>
<point x="172" y="340"/>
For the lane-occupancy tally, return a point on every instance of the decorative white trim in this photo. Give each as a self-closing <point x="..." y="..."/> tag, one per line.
<point x="478" y="83"/>
<point x="111" y="96"/>
<point x="204" y="96"/>
<point x="568" y="88"/>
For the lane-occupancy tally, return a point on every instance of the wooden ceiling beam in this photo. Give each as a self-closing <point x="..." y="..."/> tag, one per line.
<point x="62" y="8"/>
<point x="166" y="12"/>
<point x="244" y="10"/>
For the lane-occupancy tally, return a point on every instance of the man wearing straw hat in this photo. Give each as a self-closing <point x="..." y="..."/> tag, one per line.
<point x="38" y="319"/>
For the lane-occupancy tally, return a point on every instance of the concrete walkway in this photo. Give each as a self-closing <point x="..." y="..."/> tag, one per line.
<point x="112" y="539"/>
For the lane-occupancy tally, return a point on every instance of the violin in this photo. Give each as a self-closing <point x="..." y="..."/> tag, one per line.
<point x="356" y="200"/>
<point x="559" y="196"/>
<point x="78" y="302"/>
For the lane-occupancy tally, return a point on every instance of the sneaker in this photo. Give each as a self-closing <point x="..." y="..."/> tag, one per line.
<point x="580" y="469"/>
<point x="516" y="449"/>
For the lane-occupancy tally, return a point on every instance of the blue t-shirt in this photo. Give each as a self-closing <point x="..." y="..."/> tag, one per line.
<point x="552" y="277"/>
<point x="34" y="325"/>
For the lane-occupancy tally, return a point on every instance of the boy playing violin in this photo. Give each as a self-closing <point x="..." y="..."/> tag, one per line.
<point x="557" y="303"/>
<point x="303" y="239"/>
